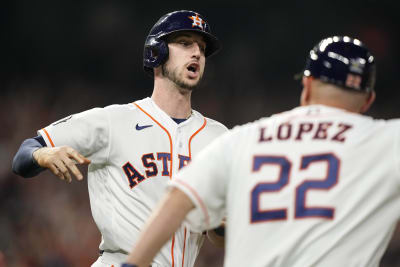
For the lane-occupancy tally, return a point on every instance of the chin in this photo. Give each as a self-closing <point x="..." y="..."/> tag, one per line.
<point x="181" y="79"/>
<point x="188" y="84"/>
<point x="192" y="83"/>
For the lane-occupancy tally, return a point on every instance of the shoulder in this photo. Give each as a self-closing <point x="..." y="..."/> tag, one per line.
<point x="127" y="107"/>
<point x="374" y="124"/>
<point x="211" y="123"/>
<point x="120" y="107"/>
<point x="250" y="128"/>
<point x="390" y="122"/>
<point x="216" y="125"/>
<point x="391" y="125"/>
<point x="116" y="113"/>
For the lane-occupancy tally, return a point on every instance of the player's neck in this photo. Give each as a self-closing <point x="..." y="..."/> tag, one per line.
<point x="173" y="101"/>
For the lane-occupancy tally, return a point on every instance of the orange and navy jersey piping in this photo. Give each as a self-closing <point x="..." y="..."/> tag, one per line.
<point x="170" y="174"/>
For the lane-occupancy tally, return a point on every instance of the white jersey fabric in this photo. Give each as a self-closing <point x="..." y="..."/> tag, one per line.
<point x="134" y="150"/>
<point x="314" y="186"/>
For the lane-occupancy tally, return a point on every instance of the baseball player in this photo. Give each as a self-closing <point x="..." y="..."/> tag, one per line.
<point x="318" y="185"/>
<point x="133" y="150"/>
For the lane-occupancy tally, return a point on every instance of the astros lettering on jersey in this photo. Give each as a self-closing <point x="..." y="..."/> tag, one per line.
<point x="132" y="160"/>
<point x="314" y="186"/>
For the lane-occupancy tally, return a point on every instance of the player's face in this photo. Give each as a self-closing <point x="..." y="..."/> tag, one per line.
<point x="186" y="61"/>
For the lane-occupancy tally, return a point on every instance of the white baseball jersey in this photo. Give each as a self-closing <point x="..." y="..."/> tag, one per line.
<point x="134" y="150"/>
<point x="314" y="186"/>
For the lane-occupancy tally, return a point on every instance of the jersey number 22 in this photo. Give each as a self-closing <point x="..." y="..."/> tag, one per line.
<point x="300" y="209"/>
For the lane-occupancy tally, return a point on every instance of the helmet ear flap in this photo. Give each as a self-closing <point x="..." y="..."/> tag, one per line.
<point x="155" y="54"/>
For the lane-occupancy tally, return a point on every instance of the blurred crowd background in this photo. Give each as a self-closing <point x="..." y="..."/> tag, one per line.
<point x="63" y="57"/>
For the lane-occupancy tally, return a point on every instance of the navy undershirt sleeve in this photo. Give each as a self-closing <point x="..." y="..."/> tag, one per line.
<point x="23" y="162"/>
<point x="178" y="121"/>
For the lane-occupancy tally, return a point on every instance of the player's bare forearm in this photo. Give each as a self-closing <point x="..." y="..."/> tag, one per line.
<point x="61" y="161"/>
<point x="160" y="227"/>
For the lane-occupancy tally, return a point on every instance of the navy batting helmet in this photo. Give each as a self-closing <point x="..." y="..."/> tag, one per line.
<point x="156" y="48"/>
<point x="342" y="61"/>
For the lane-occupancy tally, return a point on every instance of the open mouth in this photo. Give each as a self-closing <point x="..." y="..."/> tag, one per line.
<point x="193" y="67"/>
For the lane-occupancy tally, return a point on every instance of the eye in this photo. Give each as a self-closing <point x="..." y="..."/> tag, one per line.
<point x="203" y="48"/>
<point x="184" y="43"/>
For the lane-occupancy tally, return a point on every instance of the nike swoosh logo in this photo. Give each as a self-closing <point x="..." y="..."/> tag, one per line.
<point x="142" y="127"/>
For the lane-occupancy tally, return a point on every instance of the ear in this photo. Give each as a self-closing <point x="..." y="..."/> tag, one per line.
<point x="157" y="71"/>
<point x="368" y="102"/>
<point x="305" y="94"/>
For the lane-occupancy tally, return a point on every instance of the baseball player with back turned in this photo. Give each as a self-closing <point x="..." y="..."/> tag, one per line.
<point x="318" y="185"/>
<point x="133" y="150"/>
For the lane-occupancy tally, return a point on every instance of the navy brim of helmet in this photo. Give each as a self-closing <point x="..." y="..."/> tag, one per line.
<point x="213" y="45"/>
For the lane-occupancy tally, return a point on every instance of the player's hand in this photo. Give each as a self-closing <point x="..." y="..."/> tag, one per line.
<point x="61" y="161"/>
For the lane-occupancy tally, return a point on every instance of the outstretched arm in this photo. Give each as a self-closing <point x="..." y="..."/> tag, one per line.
<point x="163" y="223"/>
<point x="33" y="157"/>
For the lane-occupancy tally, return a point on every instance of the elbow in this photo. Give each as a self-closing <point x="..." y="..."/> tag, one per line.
<point x="17" y="168"/>
<point x="20" y="168"/>
<point x="23" y="163"/>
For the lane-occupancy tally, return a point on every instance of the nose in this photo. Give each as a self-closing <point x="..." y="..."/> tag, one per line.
<point x="196" y="50"/>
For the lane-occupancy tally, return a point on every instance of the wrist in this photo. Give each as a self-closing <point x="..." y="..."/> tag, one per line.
<point x="35" y="156"/>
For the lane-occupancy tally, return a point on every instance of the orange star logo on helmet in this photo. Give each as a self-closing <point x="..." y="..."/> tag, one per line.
<point x="198" y="22"/>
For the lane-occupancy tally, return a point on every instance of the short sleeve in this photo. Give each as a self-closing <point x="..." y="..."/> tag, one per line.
<point x="205" y="182"/>
<point x="87" y="132"/>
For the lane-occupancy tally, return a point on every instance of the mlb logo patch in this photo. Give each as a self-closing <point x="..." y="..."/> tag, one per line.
<point x="198" y="22"/>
